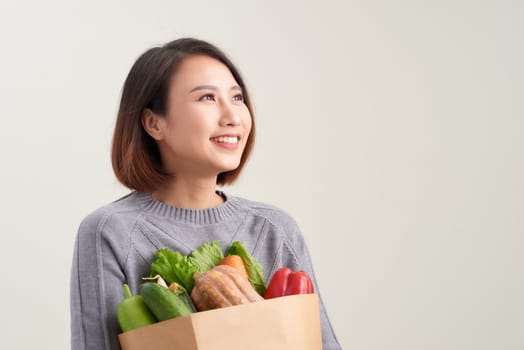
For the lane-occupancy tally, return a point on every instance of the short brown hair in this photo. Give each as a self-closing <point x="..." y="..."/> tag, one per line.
<point x="135" y="155"/>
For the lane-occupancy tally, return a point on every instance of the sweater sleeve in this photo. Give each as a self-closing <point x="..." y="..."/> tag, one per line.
<point x="96" y="280"/>
<point x="295" y="255"/>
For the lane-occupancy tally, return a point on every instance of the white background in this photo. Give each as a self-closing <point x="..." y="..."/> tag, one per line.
<point x="391" y="130"/>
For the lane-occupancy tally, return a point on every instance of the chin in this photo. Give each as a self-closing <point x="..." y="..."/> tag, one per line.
<point x="228" y="167"/>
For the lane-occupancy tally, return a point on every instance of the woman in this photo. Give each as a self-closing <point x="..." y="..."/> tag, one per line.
<point x="185" y="125"/>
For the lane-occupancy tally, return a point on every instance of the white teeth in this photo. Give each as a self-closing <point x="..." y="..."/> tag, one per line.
<point x="225" y="139"/>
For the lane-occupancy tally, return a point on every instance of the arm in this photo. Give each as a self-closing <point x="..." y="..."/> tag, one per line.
<point x="96" y="280"/>
<point x="295" y="255"/>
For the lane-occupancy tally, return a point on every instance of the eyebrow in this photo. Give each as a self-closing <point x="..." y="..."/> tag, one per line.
<point x="212" y="87"/>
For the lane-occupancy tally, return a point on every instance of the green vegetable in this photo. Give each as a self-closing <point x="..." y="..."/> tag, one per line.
<point x="162" y="302"/>
<point x="174" y="267"/>
<point x="132" y="312"/>
<point x="182" y="293"/>
<point x="207" y="256"/>
<point x="255" y="271"/>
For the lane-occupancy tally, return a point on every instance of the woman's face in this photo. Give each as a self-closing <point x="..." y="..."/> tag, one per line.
<point x="207" y="123"/>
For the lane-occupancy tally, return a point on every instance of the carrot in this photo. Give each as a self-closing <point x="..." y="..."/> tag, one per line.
<point x="236" y="262"/>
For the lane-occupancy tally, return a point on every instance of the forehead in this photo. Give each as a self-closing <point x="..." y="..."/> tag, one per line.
<point x="199" y="69"/>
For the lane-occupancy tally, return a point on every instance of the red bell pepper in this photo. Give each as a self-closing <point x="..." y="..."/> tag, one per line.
<point x="288" y="282"/>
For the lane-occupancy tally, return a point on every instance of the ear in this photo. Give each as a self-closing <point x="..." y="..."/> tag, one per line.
<point x="153" y="124"/>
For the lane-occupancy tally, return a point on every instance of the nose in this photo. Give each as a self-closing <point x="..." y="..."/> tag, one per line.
<point x="229" y="116"/>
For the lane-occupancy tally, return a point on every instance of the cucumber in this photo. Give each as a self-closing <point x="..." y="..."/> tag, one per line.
<point x="162" y="302"/>
<point x="182" y="293"/>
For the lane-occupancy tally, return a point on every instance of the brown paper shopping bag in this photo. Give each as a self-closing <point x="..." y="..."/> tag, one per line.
<point x="291" y="322"/>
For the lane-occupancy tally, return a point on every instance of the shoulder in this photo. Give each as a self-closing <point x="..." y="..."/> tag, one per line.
<point x="273" y="214"/>
<point x="293" y="248"/>
<point x="115" y="216"/>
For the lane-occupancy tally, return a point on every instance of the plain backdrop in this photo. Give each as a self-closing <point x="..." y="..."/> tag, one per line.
<point x="391" y="130"/>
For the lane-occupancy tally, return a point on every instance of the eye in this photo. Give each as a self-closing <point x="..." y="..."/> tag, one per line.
<point x="238" y="97"/>
<point x="207" y="97"/>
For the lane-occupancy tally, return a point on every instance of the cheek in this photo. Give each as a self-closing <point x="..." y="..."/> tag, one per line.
<point x="246" y="119"/>
<point x="184" y="122"/>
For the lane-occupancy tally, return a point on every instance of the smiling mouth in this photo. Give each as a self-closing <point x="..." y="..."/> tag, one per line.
<point x="225" y="139"/>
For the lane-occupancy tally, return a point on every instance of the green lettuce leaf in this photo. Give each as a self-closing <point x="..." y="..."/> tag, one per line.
<point x="207" y="256"/>
<point x="255" y="271"/>
<point x="174" y="267"/>
<point x="161" y="266"/>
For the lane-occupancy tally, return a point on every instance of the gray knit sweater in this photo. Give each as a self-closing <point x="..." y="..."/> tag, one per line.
<point x="117" y="243"/>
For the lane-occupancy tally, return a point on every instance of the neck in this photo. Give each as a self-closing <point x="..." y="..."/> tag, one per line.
<point x="190" y="193"/>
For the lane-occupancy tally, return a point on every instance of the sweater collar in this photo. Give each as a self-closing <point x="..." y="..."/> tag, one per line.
<point x="212" y="215"/>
